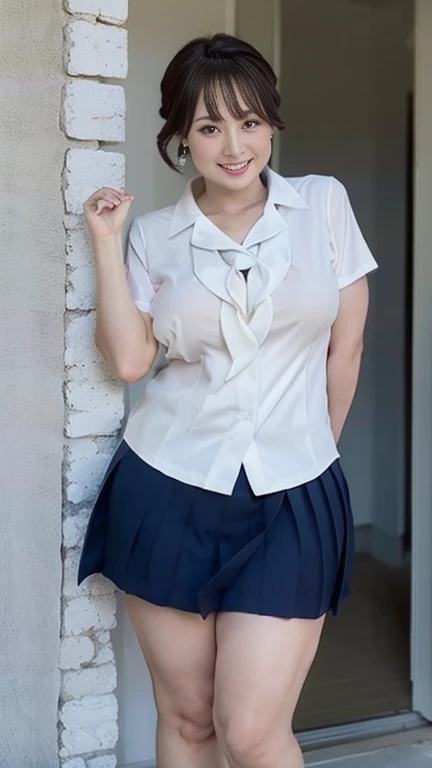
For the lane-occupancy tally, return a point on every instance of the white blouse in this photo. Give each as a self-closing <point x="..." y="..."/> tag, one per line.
<point x="245" y="381"/>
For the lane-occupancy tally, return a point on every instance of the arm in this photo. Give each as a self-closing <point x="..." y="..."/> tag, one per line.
<point x="123" y="335"/>
<point x="345" y="352"/>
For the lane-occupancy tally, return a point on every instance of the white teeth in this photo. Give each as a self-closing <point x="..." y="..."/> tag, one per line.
<point x="236" y="167"/>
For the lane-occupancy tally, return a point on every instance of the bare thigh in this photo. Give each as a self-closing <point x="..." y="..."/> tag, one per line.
<point x="262" y="664"/>
<point x="180" y="651"/>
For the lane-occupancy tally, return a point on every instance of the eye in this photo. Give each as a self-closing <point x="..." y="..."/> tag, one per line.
<point x="251" y="123"/>
<point x="210" y="130"/>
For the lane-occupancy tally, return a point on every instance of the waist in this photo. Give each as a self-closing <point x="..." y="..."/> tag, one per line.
<point x="211" y="456"/>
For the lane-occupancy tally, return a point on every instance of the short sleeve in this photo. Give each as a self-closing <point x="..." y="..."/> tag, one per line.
<point x="140" y="285"/>
<point x="352" y="258"/>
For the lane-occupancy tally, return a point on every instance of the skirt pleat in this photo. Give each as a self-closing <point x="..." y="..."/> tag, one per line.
<point x="346" y="565"/>
<point x="288" y="553"/>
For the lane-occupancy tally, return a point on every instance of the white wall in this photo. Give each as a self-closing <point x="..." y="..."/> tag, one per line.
<point x="345" y="70"/>
<point x="156" y="32"/>
<point x="32" y="282"/>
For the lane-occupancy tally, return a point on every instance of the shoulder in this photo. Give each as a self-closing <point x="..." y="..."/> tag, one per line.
<point x="326" y="196"/>
<point x="313" y="186"/>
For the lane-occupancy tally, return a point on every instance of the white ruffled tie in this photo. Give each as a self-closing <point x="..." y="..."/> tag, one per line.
<point x="246" y="321"/>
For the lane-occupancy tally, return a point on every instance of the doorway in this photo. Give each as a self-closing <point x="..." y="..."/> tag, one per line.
<point x="347" y="78"/>
<point x="358" y="130"/>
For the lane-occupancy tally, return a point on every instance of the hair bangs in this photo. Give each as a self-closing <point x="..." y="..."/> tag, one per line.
<point x="237" y="90"/>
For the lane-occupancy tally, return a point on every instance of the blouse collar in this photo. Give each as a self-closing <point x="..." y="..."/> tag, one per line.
<point x="280" y="193"/>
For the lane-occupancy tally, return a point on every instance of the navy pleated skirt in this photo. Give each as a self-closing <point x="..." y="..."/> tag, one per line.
<point x="288" y="553"/>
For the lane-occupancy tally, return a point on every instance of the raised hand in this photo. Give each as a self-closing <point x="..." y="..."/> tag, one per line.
<point x="105" y="211"/>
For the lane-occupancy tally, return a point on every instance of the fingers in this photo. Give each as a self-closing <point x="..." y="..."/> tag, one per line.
<point x="107" y="198"/>
<point x="111" y="197"/>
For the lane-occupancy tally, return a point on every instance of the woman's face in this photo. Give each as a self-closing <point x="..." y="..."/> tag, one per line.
<point x="230" y="153"/>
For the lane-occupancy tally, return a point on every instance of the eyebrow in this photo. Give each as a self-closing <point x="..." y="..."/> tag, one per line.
<point x="207" y="117"/>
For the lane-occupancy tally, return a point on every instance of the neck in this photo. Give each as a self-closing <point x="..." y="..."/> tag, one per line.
<point x="217" y="199"/>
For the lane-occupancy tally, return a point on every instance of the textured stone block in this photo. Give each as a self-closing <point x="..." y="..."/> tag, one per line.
<point x="82" y="614"/>
<point x="76" y="651"/>
<point x="91" y="681"/>
<point x="95" y="408"/>
<point x="105" y="655"/>
<point x="94" y="110"/>
<point x="85" y="464"/>
<point x="110" y="11"/>
<point x="95" y="49"/>
<point x="80" y="741"/>
<point x="74" y="528"/>
<point x="81" y="288"/>
<point x="94" y="396"/>
<point x="104" y="761"/>
<point x="90" y="725"/>
<point x="73" y="222"/>
<point x="90" y="710"/>
<point x="81" y="273"/>
<point x="103" y="638"/>
<point x="83" y="361"/>
<point x="87" y="170"/>
<point x="80" y="348"/>
<point x="76" y="762"/>
<point x="78" y="245"/>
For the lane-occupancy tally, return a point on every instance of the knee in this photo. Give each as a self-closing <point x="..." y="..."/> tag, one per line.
<point x="195" y="730"/>
<point x="194" y="724"/>
<point x="247" y="741"/>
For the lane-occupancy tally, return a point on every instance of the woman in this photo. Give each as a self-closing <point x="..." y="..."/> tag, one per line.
<point x="225" y="500"/>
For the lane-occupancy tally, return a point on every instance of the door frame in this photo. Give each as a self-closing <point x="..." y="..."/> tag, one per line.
<point x="421" y="494"/>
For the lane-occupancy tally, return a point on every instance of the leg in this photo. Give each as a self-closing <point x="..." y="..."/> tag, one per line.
<point x="179" y="648"/>
<point x="261" y="666"/>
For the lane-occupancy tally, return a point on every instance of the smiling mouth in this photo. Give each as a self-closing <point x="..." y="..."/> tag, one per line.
<point x="235" y="167"/>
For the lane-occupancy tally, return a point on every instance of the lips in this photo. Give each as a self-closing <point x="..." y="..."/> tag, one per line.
<point x="235" y="168"/>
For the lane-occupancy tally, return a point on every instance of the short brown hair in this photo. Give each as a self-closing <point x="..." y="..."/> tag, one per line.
<point x="215" y="64"/>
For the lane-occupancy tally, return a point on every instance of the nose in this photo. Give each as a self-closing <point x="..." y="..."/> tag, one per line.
<point x="234" y="146"/>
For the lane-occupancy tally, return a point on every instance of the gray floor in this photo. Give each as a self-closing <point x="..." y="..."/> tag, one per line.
<point x="409" y="757"/>
<point x="402" y="755"/>
<point x="410" y="749"/>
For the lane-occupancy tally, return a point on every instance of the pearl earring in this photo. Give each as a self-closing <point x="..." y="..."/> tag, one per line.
<point x="182" y="154"/>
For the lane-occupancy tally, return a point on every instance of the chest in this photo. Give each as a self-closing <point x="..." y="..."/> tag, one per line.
<point x="295" y="283"/>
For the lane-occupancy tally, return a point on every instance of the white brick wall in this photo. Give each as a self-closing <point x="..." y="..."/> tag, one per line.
<point x="106" y="761"/>
<point x="86" y="461"/>
<point x="111" y="11"/>
<point x="91" y="112"/>
<point x="76" y="651"/>
<point x="94" y="407"/>
<point x="94" y="110"/>
<point x="87" y="613"/>
<point x="86" y="170"/>
<point x="76" y="762"/>
<point x="84" y="682"/>
<point x="95" y="49"/>
<point x="74" y="528"/>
